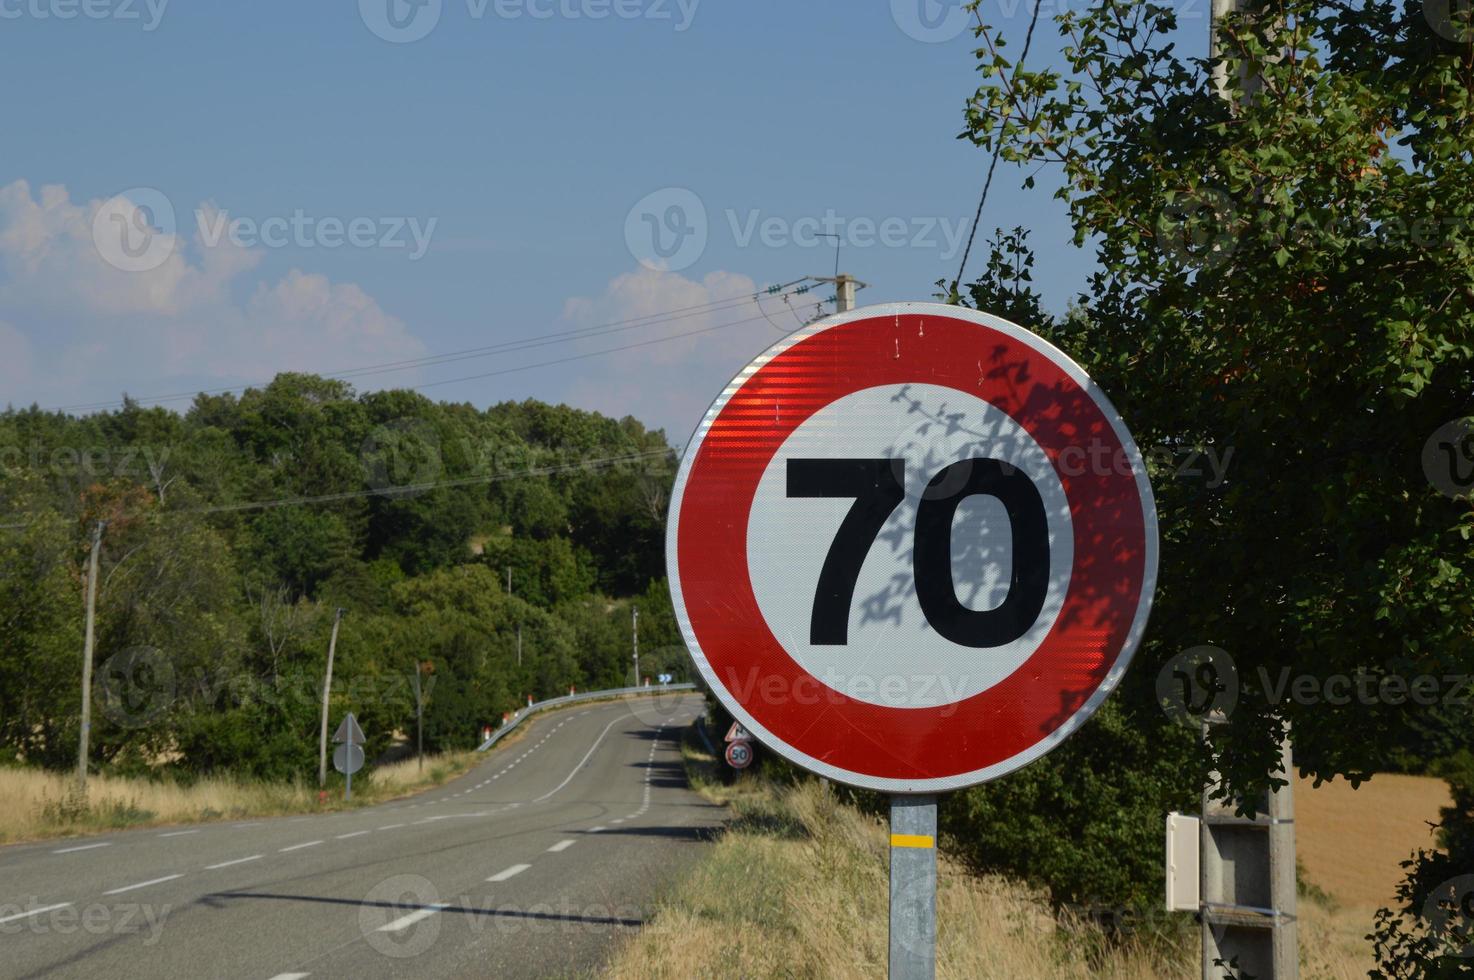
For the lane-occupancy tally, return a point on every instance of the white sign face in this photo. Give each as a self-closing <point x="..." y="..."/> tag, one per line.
<point x="930" y="428"/>
<point x="912" y="547"/>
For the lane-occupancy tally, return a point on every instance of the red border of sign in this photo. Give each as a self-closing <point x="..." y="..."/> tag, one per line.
<point x="912" y="749"/>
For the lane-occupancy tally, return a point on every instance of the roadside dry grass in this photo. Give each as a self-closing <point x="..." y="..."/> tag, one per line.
<point x="797" y="887"/>
<point x="39" y="805"/>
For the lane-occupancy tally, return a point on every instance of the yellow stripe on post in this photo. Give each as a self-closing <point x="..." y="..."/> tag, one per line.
<point x="913" y="840"/>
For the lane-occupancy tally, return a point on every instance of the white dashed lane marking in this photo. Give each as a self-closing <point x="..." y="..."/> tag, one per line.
<point x="562" y="845"/>
<point x="511" y="872"/>
<point x="143" y="884"/>
<point x="401" y="924"/>
<point x="84" y="847"/>
<point x="41" y="911"/>
<point x="298" y="847"/>
<point x="179" y="833"/>
<point x="230" y="864"/>
<point x="356" y="833"/>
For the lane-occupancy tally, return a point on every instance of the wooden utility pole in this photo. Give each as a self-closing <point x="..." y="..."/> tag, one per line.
<point x="327" y="689"/>
<point x="86" y="727"/>
<point x="419" y="718"/>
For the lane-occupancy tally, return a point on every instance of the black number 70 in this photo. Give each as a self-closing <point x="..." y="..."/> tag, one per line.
<point x="879" y="486"/>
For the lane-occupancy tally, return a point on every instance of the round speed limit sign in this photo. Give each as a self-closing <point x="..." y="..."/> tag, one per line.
<point x="739" y="754"/>
<point x="912" y="547"/>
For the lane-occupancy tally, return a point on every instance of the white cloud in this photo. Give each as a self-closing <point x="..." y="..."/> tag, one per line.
<point x="670" y="384"/>
<point x="92" y="330"/>
<point x="15" y="357"/>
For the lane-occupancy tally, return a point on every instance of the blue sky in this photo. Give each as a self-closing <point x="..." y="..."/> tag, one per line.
<point x="517" y="145"/>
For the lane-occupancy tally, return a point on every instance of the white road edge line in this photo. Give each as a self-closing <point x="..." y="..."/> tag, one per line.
<point x="228" y="864"/>
<point x="143" y="884"/>
<point x="511" y="872"/>
<point x="586" y="757"/>
<point x="41" y="911"/>
<point x="409" y="920"/>
<point x="84" y="847"/>
<point x="298" y="847"/>
<point x="179" y="833"/>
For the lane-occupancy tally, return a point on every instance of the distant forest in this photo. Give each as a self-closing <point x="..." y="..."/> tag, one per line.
<point x="502" y="551"/>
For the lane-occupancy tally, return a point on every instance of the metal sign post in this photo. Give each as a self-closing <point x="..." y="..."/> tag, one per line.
<point x="348" y="756"/>
<point x="913" y="931"/>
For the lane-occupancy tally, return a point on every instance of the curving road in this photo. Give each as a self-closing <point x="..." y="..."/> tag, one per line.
<point x="534" y="864"/>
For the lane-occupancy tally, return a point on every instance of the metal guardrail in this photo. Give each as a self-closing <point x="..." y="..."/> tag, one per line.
<point x="532" y="709"/>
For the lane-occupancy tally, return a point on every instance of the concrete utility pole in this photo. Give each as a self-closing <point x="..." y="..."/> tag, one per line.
<point x="86" y="727"/>
<point x="1247" y="883"/>
<point x="1251" y="84"/>
<point x="635" y="634"/>
<point x="1220" y="10"/>
<point x="845" y="286"/>
<point x="1247" y="865"/>
<point x="327" y="689"/>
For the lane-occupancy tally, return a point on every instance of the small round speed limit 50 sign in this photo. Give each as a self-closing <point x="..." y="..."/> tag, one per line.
<point x="912" y="547"/>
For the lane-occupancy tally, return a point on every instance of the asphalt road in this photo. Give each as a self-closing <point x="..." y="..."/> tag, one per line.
<point x="534" y="864"/>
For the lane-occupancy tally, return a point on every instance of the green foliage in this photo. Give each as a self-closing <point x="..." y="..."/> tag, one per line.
<point x="1284" y="272"/>
<point x="1087" y="819"/>
<point x="235" y="530"/>
<point x="40" y="625"/>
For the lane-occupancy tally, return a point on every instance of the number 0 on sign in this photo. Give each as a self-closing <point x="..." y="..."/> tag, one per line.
<point x="912" y="547"/>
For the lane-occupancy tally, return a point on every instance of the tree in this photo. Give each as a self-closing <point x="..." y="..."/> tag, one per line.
<point x="40" y="627"/>
<point x="1285" y="273"/>
<point x="236" y="528"/>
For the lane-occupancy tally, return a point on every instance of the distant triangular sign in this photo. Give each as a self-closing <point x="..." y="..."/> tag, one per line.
<point x="737" y="733"/>
<point x="349" y="731"/>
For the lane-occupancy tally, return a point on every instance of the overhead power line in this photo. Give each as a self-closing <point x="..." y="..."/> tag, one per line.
<point x="504" y="347"/>
<point x="407" y="489"/>
<point x="997" y="148"/>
